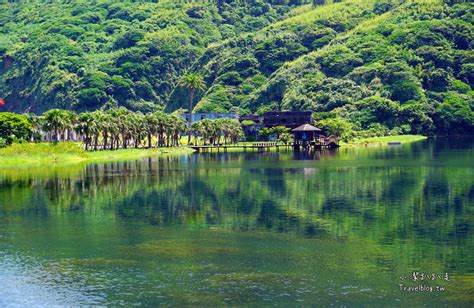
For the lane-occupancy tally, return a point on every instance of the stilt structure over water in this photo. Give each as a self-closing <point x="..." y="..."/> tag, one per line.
<point x="258" y="146"/>
<point x="307" y="136"/>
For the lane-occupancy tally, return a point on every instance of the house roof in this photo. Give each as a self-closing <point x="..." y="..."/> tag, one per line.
<point x="307" y="128"/>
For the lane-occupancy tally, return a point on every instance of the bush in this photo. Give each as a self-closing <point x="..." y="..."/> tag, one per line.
<point x="337" y="126"/>
<point x="129" y="39"/>
<point x="248" y="122"/>
<point x="377" y="109"/>
<point x="285" y="137"/>
<point x="460" y="87"/>
<point x="14" y="127"/>
<point x="274" y="132"/>
<point x="455" y="114"/>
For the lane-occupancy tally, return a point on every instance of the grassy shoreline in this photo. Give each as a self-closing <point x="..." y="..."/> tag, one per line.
<point x="383" y="141"/>
<point x="67" y="152"/>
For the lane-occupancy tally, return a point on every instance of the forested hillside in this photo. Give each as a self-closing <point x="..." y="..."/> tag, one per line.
<point x="85" y="55"/>
<point x="381" y="66"/>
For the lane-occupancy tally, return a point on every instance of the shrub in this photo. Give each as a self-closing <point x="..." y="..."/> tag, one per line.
<point x="248" y="122"/>
<point x="14" y="127"/>
<point x="337" y="126"/>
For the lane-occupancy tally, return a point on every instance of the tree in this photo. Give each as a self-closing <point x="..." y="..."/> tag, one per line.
<point x="455" y="114"/>
<point x="13" y="127"/>
<point x="197" y="130"/>
<point x="177" y="125"/>
<point x="84" y="126"/>
<point x="438" y="80"/>
<point x="337" y="126"/>
<point x="376" y="109"/>
<point x="285" y="137"/>
<point x="56" y="121"/>
<point x="319" y="2"/>
<point x="151" y="123"/>
<point x="71" y="121"/>
<point x="162" y="122"/>
<point x="36" y="125"/>
<point x="194" y="83"/>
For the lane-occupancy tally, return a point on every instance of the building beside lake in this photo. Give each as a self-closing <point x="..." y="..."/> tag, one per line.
<point x="253" y="123"/>
<point x="209" y="115"/>
<point x="290" y="119"/>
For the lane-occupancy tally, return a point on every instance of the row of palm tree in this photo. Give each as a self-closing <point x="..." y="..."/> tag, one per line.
<point x="121" y="128"/>
<point x="213" y="131"/>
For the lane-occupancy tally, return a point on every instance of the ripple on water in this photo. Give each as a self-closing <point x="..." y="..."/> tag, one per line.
<point x="25" y="284"/>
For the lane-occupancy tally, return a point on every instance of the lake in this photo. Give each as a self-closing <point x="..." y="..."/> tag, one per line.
<point x="379" y="226"/>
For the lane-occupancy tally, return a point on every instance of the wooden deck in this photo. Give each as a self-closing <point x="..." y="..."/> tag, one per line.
<point x="264" y="146"/>
<point x="254" y="146"/>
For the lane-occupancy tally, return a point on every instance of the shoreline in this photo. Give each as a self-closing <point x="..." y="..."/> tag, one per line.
<point x="383" y="141"/>
<point x="28" y="154"/>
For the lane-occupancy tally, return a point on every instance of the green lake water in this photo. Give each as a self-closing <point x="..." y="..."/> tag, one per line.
<point x="344" y="228"/>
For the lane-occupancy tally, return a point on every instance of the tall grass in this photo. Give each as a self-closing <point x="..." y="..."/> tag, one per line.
<point x="363" y="27"/>
<point x="42" y="149"/>
<point x="382" y="141"/>
<point x="340" y="10"/>
<point x="24" y="154"/>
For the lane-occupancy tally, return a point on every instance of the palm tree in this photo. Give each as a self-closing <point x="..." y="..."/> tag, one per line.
<point x="236" y="133"/>
<point x="228" y="126"/>
<point x="151" y="126"/>
<point x="96" y="127"/>
<point x="208" y="130"/>
<point x="71" y="122"/>
<point x="84" y="126"/>
<point x="121" y="122"/>
<point x="112" y="121"/>
<point x="56" y="120"/>
<point x="197" y="129"/>
<point x="178" y="125"/>
<point x="162" y="124"/>
<point x="36" y="125"/>
<point x="194" y="82"/>
<point x="138" y="128"/>
<point x="102" y="125"/>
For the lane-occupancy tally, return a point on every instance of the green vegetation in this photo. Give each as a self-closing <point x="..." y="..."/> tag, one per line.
<point x="83" y="56"/>
<point x="379" y="67"/>
<point x="13" y="127"/>
<point x="116" y="128"/>
<point x="246" y="221"/>
<point x="17" y="155"/>
<point x="194" y="83"/>
<point x="280" y="133"/>
<point x="387" y="67"/>
<point x="383" y="141"/>
<point x="212" y="131"/>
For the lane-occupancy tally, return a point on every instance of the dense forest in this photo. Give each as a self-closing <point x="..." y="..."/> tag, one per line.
<point x="380" y="66"/>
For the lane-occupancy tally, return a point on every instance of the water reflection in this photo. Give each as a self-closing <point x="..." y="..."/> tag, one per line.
<point x="405" y="204"/>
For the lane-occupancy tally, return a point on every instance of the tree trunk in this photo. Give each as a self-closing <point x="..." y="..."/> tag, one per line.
<point x="190" y="120"/>
<point x="124" y="140"/>
<point x="105" y="140"/>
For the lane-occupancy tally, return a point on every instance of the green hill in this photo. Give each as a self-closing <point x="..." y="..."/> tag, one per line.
<point x="85" y="55"/>
<point x="398" y="66"/>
